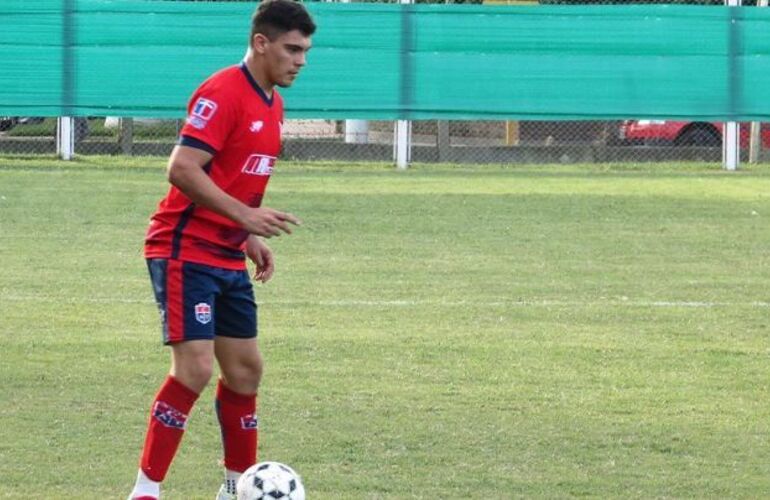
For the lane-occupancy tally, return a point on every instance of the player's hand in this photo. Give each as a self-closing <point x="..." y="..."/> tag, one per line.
<point x="267" y="222"/>
<point x="262" y="257"/>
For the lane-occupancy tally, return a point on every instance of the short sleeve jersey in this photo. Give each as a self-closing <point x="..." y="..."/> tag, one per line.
<point x="232" y="118"/>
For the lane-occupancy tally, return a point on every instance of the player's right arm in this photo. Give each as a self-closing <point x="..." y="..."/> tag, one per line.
<point x="186" y="173"/>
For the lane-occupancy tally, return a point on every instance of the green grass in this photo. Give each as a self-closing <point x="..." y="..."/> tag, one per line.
<point x="445" y="332"/>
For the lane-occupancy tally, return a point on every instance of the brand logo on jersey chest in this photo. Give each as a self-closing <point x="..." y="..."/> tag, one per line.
<point x="256" y="126"/>
<point x="259" y="165"/>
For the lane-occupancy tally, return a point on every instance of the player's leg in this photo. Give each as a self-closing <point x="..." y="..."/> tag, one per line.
<point x="191" y="368"/>
<point x="240" y="363"/>
<point x="184" y="296"/>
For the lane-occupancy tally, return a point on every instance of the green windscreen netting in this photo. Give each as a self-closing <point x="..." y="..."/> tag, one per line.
<point x="374" y="61"/>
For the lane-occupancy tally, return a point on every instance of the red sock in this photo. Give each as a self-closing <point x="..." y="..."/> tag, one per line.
<point x="168" y="420"/>
<point x="240" y="428"/>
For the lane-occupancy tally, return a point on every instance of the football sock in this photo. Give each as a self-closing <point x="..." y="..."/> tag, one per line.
<point x="237" y="415"/>
<point x="168" y="420"/>
<point x="231" y="481"/>
<point x="145" y="487"/>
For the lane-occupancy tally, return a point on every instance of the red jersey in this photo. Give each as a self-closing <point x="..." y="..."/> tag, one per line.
<point x="231" y="117"/>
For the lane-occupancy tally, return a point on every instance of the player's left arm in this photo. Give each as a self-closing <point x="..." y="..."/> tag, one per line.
<point x="262" y="257"/>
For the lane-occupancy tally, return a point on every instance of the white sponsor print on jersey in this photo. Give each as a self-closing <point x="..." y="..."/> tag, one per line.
<point x="202" y="112"/>
<point x="259" y="165"/>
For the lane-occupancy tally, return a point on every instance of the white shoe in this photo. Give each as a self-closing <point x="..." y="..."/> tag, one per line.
<point x="224" y="495"/>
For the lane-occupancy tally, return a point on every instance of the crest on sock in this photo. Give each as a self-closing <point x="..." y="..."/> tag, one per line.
<point x="168" y="415"/>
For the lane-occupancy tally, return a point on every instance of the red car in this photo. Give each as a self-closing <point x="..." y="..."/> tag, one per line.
<point x="663" y="132"/>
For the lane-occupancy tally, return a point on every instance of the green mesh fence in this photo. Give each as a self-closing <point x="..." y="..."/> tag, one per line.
<point x="144" y="58"/>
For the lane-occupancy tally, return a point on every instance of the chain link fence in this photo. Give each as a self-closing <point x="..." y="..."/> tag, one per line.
<point x="432" y="141"/>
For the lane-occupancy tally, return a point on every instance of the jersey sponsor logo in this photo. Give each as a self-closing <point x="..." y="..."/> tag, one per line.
<point x="249" y="422"/>
<point x="202" y="313"/>
<point x="168" y="415"/>
<point x="256" y="126"/>
<point x="259" y="165"/>
<point x="203" y="110"/>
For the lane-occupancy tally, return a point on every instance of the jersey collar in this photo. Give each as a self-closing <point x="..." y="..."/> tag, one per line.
<point x="255" y="85"/>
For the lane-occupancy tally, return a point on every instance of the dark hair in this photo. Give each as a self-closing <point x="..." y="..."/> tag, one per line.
<point x="276" y="17"/>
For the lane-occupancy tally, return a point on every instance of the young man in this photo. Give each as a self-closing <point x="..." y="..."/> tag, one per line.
<point x="198" y="239"/>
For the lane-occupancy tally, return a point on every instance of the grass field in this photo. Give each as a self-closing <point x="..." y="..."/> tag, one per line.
<point x="445" y="332"/>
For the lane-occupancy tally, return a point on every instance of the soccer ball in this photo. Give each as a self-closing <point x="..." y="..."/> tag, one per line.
<point x="270" y="480"/>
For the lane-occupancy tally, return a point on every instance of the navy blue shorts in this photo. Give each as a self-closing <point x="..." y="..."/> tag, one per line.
<point x="198" y="301"/>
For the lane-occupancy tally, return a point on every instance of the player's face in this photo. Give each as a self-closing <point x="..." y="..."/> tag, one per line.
<point x="285" y="56"/>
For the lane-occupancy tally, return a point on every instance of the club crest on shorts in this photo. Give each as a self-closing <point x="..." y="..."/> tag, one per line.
<point x="202" y="313"/>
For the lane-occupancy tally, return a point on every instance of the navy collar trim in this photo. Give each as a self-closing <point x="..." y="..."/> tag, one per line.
<point x="255" y="85"/>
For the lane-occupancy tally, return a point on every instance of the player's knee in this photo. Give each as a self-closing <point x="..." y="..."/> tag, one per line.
<point x="245" y="376"/>
<point x="251" y="372"/>
<point x="202" y="374"/>
<point x="195" y="373"/>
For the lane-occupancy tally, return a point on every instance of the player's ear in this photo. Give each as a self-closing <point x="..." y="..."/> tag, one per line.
<point x="259" y="42"/>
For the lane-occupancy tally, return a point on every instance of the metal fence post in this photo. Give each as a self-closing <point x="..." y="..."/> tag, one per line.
<point x="443" y="142"/>
<point x="403" y="128"/>
<point x="126" y="135"/>
<point x="755" y="136"/>
<point x="356" y="131"/>
<point x="65" y="125"/>
<point x="731" y="147"/>
<point x="402" y="146"/>
<point x="65" y="137"/>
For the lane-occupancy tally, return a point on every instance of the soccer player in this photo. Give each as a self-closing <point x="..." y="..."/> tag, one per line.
<point x="200" y="235"/>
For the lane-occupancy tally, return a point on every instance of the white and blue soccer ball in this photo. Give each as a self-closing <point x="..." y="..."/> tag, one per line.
<point x="270" y="481"/>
